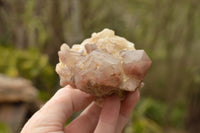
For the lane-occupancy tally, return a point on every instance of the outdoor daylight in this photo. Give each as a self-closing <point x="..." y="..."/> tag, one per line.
<point x="136" y="70"/>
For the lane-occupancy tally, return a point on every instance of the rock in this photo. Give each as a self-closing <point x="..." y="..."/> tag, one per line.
<point x="102" y="65"/>
<point x="16" y="90"/>
<point x="18" y="101"/>
<point x="99" y="68"/>
<point x="136" y="63"/>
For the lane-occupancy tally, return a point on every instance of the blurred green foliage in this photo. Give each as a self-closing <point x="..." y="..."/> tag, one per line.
<point x="152" y="109"/>
<point x="4" y="128"/>
<point x="145" y="125"/>
<point x="177" y="117"/>
<point x="167" y="30"/>
<point x="30" y="64"/>
<point x="149" y="117"/>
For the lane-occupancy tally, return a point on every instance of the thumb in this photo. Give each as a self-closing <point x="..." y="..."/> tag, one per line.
<point x="60" y="107"/>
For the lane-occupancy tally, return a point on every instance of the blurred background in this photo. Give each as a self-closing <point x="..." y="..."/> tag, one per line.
<point x="31" y="32"/>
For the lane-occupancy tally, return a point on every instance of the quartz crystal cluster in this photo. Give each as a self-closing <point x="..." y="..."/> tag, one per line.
<point x="102" y="65"/>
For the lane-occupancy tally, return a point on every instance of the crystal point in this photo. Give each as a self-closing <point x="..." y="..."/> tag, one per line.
<point x="102" y="65"/>
<point x="136" y="63"/>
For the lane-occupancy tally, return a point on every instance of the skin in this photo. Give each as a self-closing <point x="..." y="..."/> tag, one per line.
<point x="111" y="118"/>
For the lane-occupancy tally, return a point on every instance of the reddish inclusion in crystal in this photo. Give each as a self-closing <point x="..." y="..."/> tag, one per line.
<point x="136" y="63"/>
<point x="102" y="65"/>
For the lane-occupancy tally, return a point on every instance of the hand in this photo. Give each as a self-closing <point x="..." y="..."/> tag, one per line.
<point x="111" y="118"/>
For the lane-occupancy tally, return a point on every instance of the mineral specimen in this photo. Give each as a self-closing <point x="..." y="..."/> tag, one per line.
<point x="102" y="65"/>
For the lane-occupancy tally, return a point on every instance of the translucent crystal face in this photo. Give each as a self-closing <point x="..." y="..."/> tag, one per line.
<point x="136" y="63"/>
<point x="102" y="65"/>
